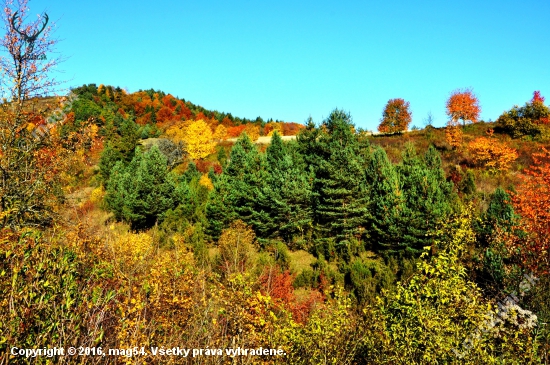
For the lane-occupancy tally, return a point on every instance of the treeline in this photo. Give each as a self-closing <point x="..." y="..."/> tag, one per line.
<point x="154" y="111"/>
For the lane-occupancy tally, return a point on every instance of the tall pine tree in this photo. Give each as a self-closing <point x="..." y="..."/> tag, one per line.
<point x="428" y="197"/>
<point x="387" y="203"/>
<point x="237" y="192"/>
<point x="340" y="201"/>
<point x="285" y="202"/>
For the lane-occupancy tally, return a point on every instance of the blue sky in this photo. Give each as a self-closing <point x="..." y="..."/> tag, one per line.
<point x="290" y="60"/>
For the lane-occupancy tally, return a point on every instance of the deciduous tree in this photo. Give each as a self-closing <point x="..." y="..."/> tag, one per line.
<point x="32" y="165"/>
<point x="463" y="105"/>
<point x="528" y="120"/>
<point x="197" y="137"/>
<point x="396" y="116"/>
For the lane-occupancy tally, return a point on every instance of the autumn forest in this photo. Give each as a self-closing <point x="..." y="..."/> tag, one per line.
<point x="139" y="221"/>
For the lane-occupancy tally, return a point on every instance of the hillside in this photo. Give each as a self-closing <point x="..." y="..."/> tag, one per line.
<point x="171" y="225"/>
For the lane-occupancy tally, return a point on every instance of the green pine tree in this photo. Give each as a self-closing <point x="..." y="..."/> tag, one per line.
<point x="237" y="192"/>
<point x="143" y="191"/>
<point x="109" y="158"/>
<point x="285" y="202"/>
<point x="387" y="203"/>
<point x="428" y="197"/>
<point x="340" y="201"/>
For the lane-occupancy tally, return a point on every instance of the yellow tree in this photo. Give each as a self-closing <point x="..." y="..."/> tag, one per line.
<point x="220" y="133"/>
<point x="197" y="137"/>
<point x="253" y="131"/>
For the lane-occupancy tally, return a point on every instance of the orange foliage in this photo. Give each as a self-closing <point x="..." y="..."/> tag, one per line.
<point x="463" y="105"/>
<point x="532" y="203"/>
<point x="278" y="285"/>
<point x="491" y="153"/>
<point x="234" y="132"/>
<point x="164" y="115"/>
<point x="396" y="116"/>
<point x="453" y="136"/>
<point x="200" y="115"/>
<point x="226" y="122"/>
<point x="144" y="119"/>
<point x="292" y="129"/>
<point x="122" y="112"/>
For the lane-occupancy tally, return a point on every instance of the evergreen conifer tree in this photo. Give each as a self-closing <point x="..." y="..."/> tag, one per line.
<point x="237" y="192"/>
<point x="340" y="201"/>
<point x="387" y="203"/>
<point x="143" y="191"/>
<point x="285" y="202"/>
<point x="427" y="196"/>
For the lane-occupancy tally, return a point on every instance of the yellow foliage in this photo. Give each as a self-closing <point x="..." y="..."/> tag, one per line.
<point x="453" y="136"/>
<point x="491" y="153"/>
<point x="220" y="133"/>
<point x="330" y="333"/>
<point x="206" y="182"/>
<point x="129" y="249"/>
<point x="235" y="245"/>
<point x="197" y="137"/>
<point x="253" y="131"/>
<point x="97" y="195"/>
<point x="275" y="127"/>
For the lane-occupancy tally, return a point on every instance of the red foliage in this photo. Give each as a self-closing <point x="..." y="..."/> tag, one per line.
<point x="203" y="166"/>
<point x="226" y="122"/>
<point x="455" y="176"/>
<point x="184" y="111"/>
<point x="302" y="310"/>
<point x="170" y="102"/>
<point x="278" y="285"/>
<point x="164" y="115"/>
<point x="537" y="98"/>
<point x="217" y="168"/>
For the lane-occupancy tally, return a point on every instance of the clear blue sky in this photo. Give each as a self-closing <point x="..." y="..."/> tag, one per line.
<point x="290" y="60"/>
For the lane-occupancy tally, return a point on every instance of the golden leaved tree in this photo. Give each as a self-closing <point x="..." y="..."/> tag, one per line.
<point x="197" y="136"/>
<point x="491" y="153"/>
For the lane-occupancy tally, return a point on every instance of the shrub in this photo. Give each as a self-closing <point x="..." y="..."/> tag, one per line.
<point x="491" y="153"/>
<point x="528" y="120"/>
